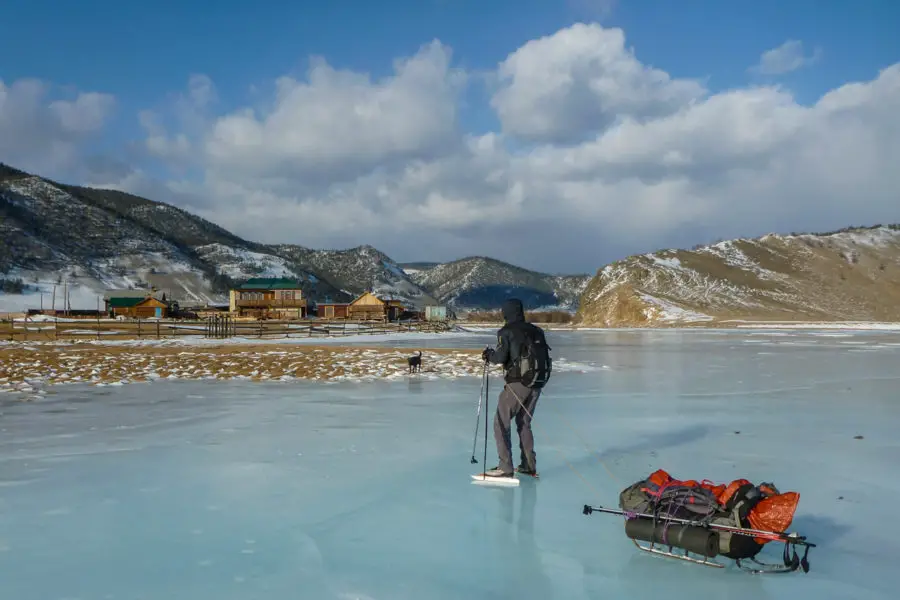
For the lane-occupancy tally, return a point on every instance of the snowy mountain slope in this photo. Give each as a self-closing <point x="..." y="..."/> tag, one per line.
<point x="239" y="263"/>
<point x="174" y="224"/>
<point x="92" y="240"/>
<point x="853" y="274"/>
<point x="483" y="283"/>
<point x="51" y="237"/>
<point x="100" y="239"/>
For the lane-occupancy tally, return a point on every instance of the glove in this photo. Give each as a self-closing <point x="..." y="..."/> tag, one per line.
<point x="487" y="353"/>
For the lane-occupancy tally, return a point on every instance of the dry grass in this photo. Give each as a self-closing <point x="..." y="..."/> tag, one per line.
<point x="621" y="308"/>
<point x="770" y="257"/>
<point x="810" y="279"/>
<point x="714" y="267"/>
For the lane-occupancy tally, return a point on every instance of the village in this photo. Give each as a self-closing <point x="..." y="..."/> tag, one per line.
<point x="259" y="307"/>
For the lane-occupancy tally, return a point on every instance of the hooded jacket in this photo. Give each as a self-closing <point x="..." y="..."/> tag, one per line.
<point x="510" y="337"/>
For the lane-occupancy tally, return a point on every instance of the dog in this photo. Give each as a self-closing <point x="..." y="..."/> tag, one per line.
<point x="415" y="362"/>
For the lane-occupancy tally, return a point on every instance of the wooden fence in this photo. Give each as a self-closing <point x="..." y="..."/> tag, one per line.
<point x="217" y="326"/>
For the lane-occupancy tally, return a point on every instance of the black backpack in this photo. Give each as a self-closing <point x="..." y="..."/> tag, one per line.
<point x="534" y="364"/>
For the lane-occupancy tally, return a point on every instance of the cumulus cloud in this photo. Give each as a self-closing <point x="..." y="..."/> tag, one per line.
<point x="335" y="125"/>
<point x="599" y="156"/>
<point x="44" y="134"/>
<point x="785" y="58"/>
<point x="579" y="81"/>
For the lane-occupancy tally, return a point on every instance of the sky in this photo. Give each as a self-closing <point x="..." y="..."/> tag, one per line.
<point x="556" y="135"/>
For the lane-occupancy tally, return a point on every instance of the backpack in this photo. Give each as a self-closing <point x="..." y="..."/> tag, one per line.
<point x="534" y="363"/>
<point x="663" y="496"/>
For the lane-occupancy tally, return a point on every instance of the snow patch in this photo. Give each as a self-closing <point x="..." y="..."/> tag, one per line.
<point x="731" y="255"/>
<point x="665" y="311"/>
<point x="669" y="263"/>
<point x="239" y="263"/>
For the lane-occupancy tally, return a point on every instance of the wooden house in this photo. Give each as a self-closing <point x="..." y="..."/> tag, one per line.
<point x="268" y="297"/>
<point x="370" y="307"/>
<point x="395" y="309"/>
<point x="136" y="308"/>
<point x="333" y="310"/>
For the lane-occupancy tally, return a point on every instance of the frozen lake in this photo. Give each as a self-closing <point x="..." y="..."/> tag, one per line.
<point x="209" y="490"/>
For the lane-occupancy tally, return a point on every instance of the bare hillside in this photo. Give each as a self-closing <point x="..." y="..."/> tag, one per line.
<point x="853" y="274"/>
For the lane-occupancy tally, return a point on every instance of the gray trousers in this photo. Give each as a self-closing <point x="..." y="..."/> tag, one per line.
<point x="509" y="407"/>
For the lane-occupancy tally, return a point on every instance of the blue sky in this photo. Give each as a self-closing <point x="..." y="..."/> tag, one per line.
<point x="140" y="54"/>
<point x="143" y="55"/>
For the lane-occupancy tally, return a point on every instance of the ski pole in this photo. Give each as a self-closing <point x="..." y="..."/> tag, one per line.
<point x="478" y="413"/>
<point x="487" y="386"/>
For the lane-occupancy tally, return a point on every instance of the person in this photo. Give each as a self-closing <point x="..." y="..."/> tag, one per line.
<point x="516" y="400"/>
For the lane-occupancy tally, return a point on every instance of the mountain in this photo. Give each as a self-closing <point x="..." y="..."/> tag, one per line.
<point x="851" y="274"/>
<point x="484" y="283"/>
<point x="90" y="240"/>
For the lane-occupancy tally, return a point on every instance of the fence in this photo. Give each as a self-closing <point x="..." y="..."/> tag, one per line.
<point x="219" y="326"/>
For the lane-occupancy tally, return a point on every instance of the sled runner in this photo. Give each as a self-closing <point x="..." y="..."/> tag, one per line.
<point x="709" y="520"/>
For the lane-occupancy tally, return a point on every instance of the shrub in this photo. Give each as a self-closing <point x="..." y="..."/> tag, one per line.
<point x="485" y="316"/>
<point x="548" y="316"/>
<point x="542" y="316"/>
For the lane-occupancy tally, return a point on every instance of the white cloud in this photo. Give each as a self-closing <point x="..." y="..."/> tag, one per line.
<point x="336" y="125"/>
<point x="621" y="158"/>
<point x="579" y="81"/>
<point x="785" y="58"/>
<point x="42" y="134"/>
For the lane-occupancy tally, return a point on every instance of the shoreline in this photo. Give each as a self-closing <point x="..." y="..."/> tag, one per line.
<point x="734" y="324"/>
<point x="30" y="369"/>
<point x="461" y="330"/>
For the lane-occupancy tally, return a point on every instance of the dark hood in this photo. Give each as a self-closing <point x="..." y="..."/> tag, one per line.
<point x="513" y="311"/>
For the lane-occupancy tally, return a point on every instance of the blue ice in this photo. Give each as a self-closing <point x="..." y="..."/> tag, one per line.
<point x="213" y="490"/>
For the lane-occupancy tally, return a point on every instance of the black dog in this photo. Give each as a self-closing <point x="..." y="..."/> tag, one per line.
<point x="415" y="362"/>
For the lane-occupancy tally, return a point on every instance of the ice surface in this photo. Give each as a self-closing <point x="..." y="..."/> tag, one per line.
<point x="237" y="490"/>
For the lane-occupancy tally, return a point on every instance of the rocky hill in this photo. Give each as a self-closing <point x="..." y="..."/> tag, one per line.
<point x="90" y="240"/>
<point x="483" y="283"/>
<point x="852" y="274"/>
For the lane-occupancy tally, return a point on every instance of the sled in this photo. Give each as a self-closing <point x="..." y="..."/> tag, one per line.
<point x="699" y="522"/>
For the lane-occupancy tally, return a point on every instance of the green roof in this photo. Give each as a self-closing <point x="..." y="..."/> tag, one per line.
<point x="125" y="302"/>
<point x="270" y="283"/>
